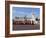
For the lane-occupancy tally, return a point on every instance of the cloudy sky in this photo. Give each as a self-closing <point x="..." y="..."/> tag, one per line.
<point x="22" y="11"/>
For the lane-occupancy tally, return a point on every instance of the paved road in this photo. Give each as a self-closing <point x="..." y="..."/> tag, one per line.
<point x="26" y="27"/>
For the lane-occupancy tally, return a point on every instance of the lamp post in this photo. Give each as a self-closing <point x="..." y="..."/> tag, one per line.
<point x="25" y="18"/>
<point x="33" y="18"/>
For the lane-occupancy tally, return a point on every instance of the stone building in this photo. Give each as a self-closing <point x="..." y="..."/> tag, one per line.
<point x="30" y="20"/>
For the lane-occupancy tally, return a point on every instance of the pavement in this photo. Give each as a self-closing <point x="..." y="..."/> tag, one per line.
<point x="26" y="27"/>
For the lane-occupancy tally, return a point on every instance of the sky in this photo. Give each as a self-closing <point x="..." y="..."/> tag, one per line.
<point x="22" y="11"/>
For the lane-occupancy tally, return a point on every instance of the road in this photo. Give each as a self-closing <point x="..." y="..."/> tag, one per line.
<point x="26" y="27"/>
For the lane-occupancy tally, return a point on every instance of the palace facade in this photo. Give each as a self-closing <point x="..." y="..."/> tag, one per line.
<point x="26" y="20"/>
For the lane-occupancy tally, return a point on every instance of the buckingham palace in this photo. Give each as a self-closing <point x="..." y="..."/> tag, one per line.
<point x="26" y="20"/>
